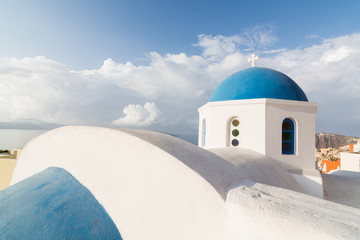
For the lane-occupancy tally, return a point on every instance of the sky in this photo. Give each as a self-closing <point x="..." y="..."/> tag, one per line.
<point x="151" y="64"/>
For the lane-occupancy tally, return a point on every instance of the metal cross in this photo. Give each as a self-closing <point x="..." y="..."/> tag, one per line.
<point x="252" y="59"/>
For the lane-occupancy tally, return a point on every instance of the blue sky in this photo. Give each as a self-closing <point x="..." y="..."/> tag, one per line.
<point x="151" y="64"/>
<point x="82" y="33"/>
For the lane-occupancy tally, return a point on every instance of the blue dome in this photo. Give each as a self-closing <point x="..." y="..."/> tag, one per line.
<point x="258" y="82"/>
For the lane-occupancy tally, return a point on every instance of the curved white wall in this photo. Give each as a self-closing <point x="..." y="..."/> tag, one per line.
<point x="148" y="192"/>
<point x="276" y="213"/>
<point x="257" y="167"/>
<point x="155" y="186"/>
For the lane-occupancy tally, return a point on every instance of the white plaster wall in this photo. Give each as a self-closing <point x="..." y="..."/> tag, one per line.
<point x="311" y="183"/>
<point x="259" y="211"/>
<point x="258" y="168"/>
<point x="342" y="187"/>
<point x="303" y="114"/>
<point x="357" y="147"/>
<point x="261" y="127"/>
<point x="251" y="114"/>
<point x="147" y="192"/>
<point x="350" y="161"/>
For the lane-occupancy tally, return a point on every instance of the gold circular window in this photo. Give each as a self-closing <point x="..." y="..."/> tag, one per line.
<point x="235" y="123"/>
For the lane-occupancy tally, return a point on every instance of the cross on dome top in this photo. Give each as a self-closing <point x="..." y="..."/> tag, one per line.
<point x="252" y="59"/>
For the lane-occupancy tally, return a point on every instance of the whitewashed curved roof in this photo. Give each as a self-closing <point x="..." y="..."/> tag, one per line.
<point x="154" y="186"/>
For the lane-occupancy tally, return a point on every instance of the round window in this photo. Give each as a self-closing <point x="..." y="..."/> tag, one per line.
<point x="235" y="132"/>
<point x="235" y="122"/>
<point x="235" y="142"/>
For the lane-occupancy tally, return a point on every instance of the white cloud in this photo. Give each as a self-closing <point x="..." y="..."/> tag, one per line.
<point x="336" y="55"/>
<point x="43" y="89"/>
<point x="323" y="66"/>
<point x="312" y="36"/>
<point x="274" y="51"/>
<point x="137" y="115"/>
<point x="255" y="38"/>
<point x="218" y="45"/>
<point x="259" y="36"/>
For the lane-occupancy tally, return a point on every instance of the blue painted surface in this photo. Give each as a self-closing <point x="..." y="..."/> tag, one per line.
<point x="53" y="205"/>
<point x="258" y="82"/>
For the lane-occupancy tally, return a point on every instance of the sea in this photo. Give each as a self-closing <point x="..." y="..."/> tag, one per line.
<point x="17" y="138"/>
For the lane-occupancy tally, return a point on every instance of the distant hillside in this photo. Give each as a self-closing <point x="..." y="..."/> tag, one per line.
<point x="329" y="140"/>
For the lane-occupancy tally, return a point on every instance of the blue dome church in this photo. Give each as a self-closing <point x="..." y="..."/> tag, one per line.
<point x="263" y="110"/>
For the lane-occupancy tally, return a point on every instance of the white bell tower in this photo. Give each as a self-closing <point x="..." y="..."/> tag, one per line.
<point x="263" y="110"/>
